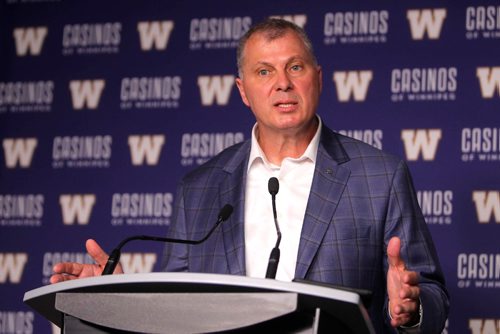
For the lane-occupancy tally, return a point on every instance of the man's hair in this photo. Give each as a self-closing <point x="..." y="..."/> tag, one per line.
<point x="272" y="29"/>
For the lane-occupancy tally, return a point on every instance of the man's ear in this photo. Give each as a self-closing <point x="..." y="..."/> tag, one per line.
<point x="320" y="76"/>
<point x="241" y="89"/>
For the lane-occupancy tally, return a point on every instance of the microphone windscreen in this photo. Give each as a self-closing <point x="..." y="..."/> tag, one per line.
<point x="225" y="212"/>
<point x="273" y="186"/>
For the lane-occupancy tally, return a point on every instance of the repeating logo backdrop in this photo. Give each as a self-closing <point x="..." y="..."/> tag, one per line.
<point x="105" y="105"/>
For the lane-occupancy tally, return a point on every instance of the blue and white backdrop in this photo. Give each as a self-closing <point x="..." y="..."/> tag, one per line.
<point x="104" y="105"/>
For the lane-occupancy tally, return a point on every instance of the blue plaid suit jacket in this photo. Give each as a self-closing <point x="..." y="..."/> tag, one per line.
<point x="360" y="197"/>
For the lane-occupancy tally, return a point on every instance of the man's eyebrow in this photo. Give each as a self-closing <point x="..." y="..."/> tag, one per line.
<point x="294" y="58"/>
<point x="265" y="63"/>
<point x="289" y="60"/>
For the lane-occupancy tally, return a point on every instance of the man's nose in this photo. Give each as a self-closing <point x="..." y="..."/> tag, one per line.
<point x="283" y="81"/>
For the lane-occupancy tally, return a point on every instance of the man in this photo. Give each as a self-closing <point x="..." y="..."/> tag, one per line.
<point x="347" y="211"/>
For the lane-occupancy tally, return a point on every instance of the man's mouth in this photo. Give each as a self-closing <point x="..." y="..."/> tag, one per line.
<point x="284" y="105"/>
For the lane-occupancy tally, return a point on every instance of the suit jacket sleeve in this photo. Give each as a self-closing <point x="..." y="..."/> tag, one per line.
<point x="404" y="219"/>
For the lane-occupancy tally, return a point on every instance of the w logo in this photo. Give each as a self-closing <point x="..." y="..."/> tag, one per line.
<point x="489" y="80"/>
<point x="353" y="83"/>
<point x="29" y="40"/>
<point x="76" y="208"/>
<point x="487" y="205"/>
<point x="19" y="151"/>
<point x="86" y="93"/>
<point x="12" y="266"/>
<point x="421" y="141"/>
<point x="155" y="33"/>
<point x="215" y="88"/>
<point x="299" y="19"/>
<point x="428" y="21"/>
<point x="138" y="262"/>
<point x="145" y="148"/>
<point x="484" y="326"/>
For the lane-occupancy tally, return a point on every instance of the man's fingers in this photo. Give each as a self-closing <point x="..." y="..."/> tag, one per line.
<point x="402" y="286"/>
<point x="410" y="288"/>
<point x="410" y="292"/>
<point x="404" y="312"/>
<point x="70" y="268"/>
<point x="405" y="308"/>
<point x="400" y="321"/>
<point x="55" y="279"/>
<point x="61" y="278"/>
<point x="411" y="278"/>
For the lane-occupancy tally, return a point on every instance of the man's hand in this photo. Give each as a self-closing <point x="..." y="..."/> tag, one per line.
<point x="402" y="288"/>
<point x="71" y="270"/>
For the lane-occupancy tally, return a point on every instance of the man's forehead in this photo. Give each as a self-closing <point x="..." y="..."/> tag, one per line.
<point x="269" y="36"/>
<point x="256" y="44"/>
<point x="261" y="42"/>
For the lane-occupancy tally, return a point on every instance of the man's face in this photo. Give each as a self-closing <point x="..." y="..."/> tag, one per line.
<point x="280" y="82"/>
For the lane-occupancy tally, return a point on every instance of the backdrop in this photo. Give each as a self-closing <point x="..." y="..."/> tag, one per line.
<point x="104" y="105"/>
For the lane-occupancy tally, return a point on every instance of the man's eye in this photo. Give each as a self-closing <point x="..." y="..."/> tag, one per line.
<point x="263" y="72"/>
<point x="295" y="68"/>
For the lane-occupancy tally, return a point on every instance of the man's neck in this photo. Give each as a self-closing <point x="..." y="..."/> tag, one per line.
<point x="286" y="144"/>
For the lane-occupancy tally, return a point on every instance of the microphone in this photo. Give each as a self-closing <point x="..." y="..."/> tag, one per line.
<point x="114" y="257"/>
<point x="274" y="258"/>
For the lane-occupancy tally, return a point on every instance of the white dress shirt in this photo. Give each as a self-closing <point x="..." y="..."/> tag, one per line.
<point x="295" y="179"/>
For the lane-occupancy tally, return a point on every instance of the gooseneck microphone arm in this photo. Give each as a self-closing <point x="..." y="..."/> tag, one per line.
<point x="114" y="257"/>
<point x="274" y="258"/>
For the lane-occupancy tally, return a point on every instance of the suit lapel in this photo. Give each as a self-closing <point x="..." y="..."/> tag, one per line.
<point x="329" y="182"/>
<point x="232" y="191"/>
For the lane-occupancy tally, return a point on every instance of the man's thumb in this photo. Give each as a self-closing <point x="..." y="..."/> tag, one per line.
<point x="393" y="252"/>
<point x="96" y="252"/>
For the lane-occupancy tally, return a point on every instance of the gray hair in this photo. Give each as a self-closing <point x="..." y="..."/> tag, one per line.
<point x="272" y="28"/>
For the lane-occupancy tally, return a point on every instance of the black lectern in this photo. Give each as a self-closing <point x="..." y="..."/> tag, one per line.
<point x="197" y="303"/>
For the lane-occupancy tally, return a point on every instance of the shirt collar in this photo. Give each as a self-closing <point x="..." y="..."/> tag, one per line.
<point x="256" y="153"/>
